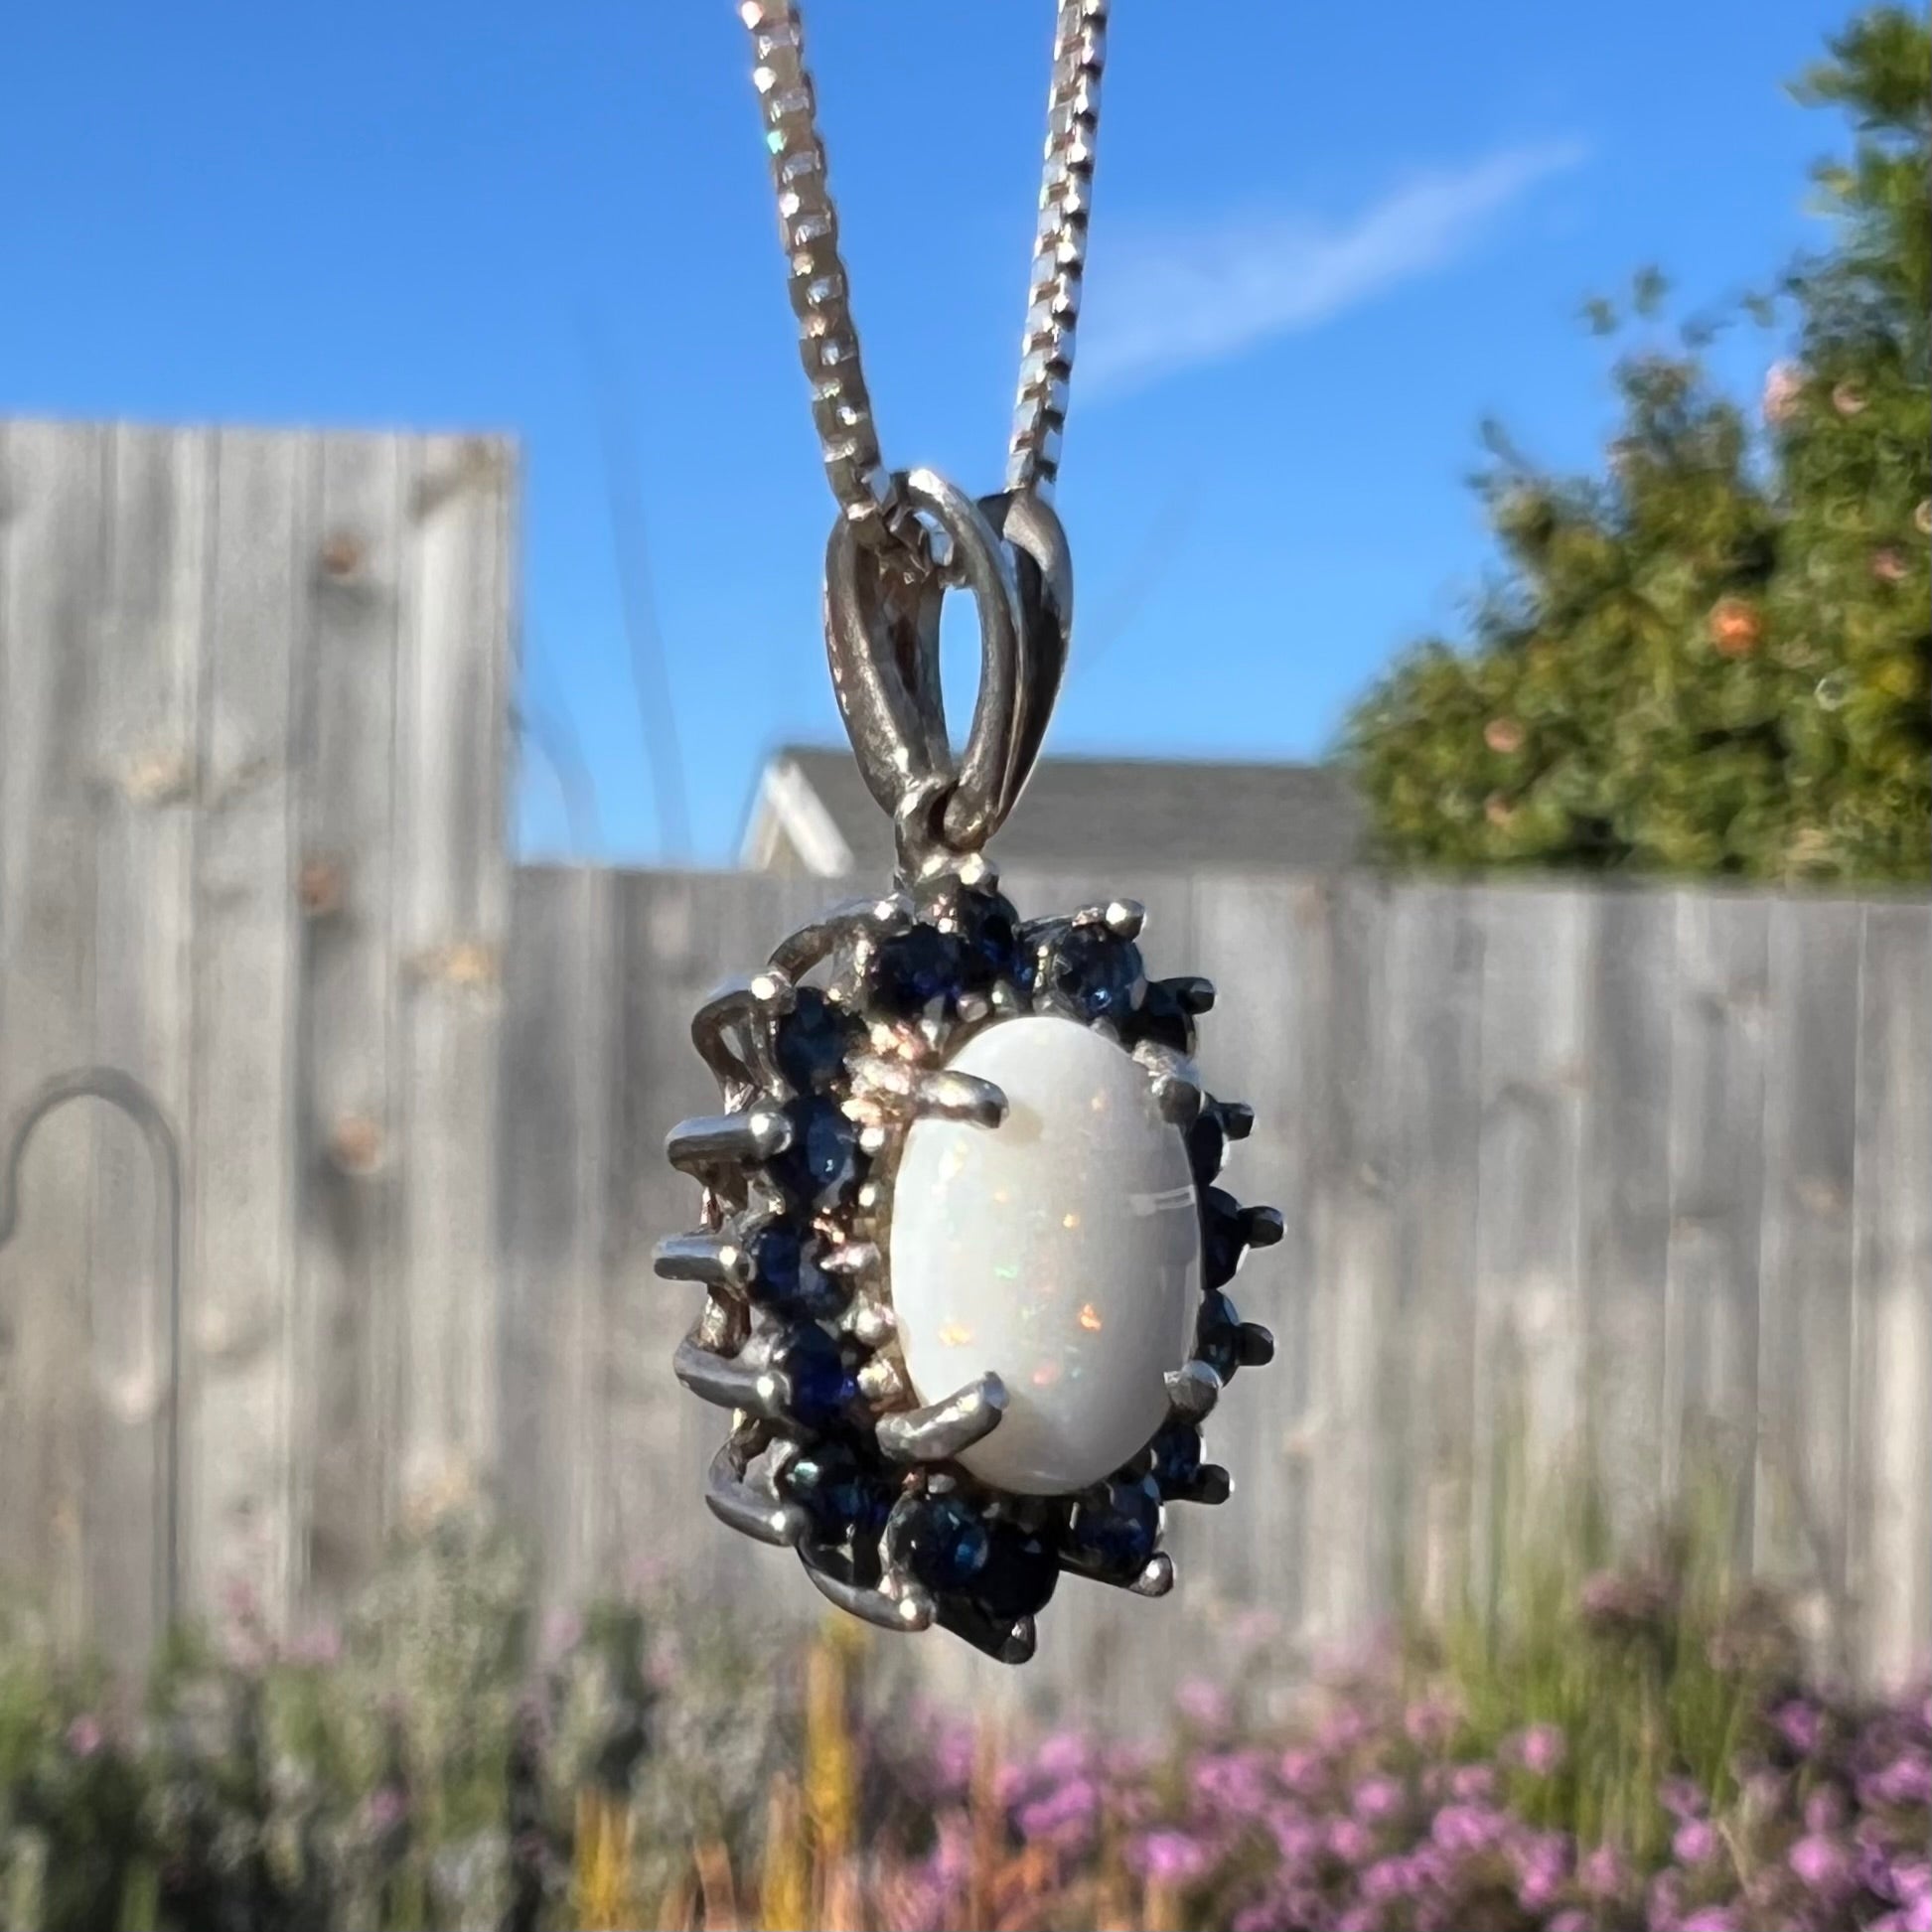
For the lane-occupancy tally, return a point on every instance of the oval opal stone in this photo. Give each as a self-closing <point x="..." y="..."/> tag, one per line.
<point x="1061" y="1249"/>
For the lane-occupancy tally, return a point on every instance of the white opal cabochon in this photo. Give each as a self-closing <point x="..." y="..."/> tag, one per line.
<point x="1061" y="1250"/>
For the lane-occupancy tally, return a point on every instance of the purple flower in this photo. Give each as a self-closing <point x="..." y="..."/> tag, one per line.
<point x="1913" y="1880"/>
<point x="1682" y="1798"/>
<point x="1304" y="1772"/>
<point x="1351" y="1840"/>
<point x="1386" y="1879"/>
<point x="1377" y="1799"/>
<point x="1297" y="1837"/>
<point x="85" y="1735"/>
<point x="1430" y="1723"/>
<point x="1709" y="1918"/>
<point x="1541" y="1866"/>
<point x="1235" y="1781"/>
<point x="1204" y="1705"/>
<point x="1822" y="1863"/>
<point x="1539" y="1748"/>
<point x="1466" y="1827"/>
<point x="952" y="1757"/>
<point x="1342" y="1728"/>
<point x="1696" y="1843"/>
<point x="1065" y="1814"/>
<point x="1799" y="1724"/>
<point x="1906" y="1780"/>
<point x="1169" y="1857"/>
<point x="1571" y="1920"/>
<point x="1474" y="1784"/>
<point x="1823" y="1810"/>
<point x="1061" y="1755"/>
<point x="1601" y="1874"/>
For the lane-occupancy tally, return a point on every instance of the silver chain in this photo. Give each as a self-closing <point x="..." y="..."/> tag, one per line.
<point x="868" y="496"/>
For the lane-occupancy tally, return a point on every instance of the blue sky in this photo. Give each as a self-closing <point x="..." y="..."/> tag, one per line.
<point x="1323" y="248"/>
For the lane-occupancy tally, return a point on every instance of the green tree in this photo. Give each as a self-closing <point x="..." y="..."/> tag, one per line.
<point x="1715" y="657"/>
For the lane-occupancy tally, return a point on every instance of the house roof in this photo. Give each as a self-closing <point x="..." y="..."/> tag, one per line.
<point x="1150" y="815"/>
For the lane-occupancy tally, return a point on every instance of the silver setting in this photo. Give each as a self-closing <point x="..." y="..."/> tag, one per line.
<point x="829" y="1057"/>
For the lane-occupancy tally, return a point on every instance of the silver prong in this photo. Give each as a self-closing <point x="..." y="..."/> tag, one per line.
<point x="850" y="1258"/>
<point x="870" y="1323"/>
<point x="1176" y="1082"/>
<point x="797" y="955"/>
<point x="1123" y="917"/>
<point x="974" y="1008"/>
<point x="882" y="1379"/>
<point x="731" y="1384"/>
<point x="1157" y="1579"/>
<point x="1209" y="1484"/>
<point x="948" y="1094"/>
<point x="734" y="1501"/>
<point x="941" y="1429"/>
<point x="1237" y="1119"/>
<point x="754" y="1136"/>
<point x="911" y="1608"/>
<point x="720" y="1261"/>
<point x="734" y="1003"/>
<point x="1194" y="994"/>
<point x="1265" y="1226"/>
<point x="723" y="1324"/>
<point x="1192" y="1390"/>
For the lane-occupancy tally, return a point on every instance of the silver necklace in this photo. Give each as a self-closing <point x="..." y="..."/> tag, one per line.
<point x="964" y="1259"/>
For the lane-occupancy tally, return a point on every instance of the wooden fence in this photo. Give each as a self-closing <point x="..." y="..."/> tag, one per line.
<point x="1647" y="1167"/>
<point x="1632" y="1181"/>
<point x="252" y="698"/>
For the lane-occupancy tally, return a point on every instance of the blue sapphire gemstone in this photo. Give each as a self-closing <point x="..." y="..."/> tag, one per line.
<point x="1019" y="1576"/>
<point x="990" y="933"/>
<point x="824" y="1165"/>
<point x="1118" y="1534"/>
<point x="787" y="1278"/>
<point x="811" y="1041"/>
<point x="1207" y="1146"/>
<point x="943" y="1542"/>
<point x="1223" y="1237"/>
<point x="1097" y="970"/>
<point x="839" y="1491"/>
<point x="824" y="1388"/>
<point x="1162" y="1018"/>
<point x="1177" y="1456"/>
<point x="917" y="972"/>
<point x="1217" y="1334"/>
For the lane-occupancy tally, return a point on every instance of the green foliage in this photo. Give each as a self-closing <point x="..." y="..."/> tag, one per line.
<point x="1715" y="657"/>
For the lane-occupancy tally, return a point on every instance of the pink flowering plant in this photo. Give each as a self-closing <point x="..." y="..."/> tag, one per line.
<point x="1641" y="1748"/>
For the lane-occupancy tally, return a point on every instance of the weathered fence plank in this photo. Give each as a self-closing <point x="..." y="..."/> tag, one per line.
<point x="1717" y="1020"/>
<point x="347" y="1324"/>
<point x="148" y="667"/>
<point x="1435" y="1046"/>
<point x="1624" y="1197"/>
<point x="1529" y="1319"/>
<point x="52" y="566"/>
<point x="1889" y="1553"/>
<point x="240" y="1297"/>
<point x="1802" y="1472"/>
<point x="451" y="886"/>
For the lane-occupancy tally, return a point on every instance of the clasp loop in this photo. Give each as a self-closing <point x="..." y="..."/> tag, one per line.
<point x="882" y="637"/>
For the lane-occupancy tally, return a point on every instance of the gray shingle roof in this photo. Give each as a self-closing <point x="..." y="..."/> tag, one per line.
<point x="1127" y="814"/>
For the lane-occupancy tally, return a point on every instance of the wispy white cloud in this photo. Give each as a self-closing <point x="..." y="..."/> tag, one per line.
<point x="1169" y="299"/>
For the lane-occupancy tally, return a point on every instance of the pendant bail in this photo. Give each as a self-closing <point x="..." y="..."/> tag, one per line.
<point x="882" y="638"/>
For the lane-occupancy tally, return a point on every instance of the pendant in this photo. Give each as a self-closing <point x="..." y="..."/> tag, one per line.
<point x="964" y="1261"/>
